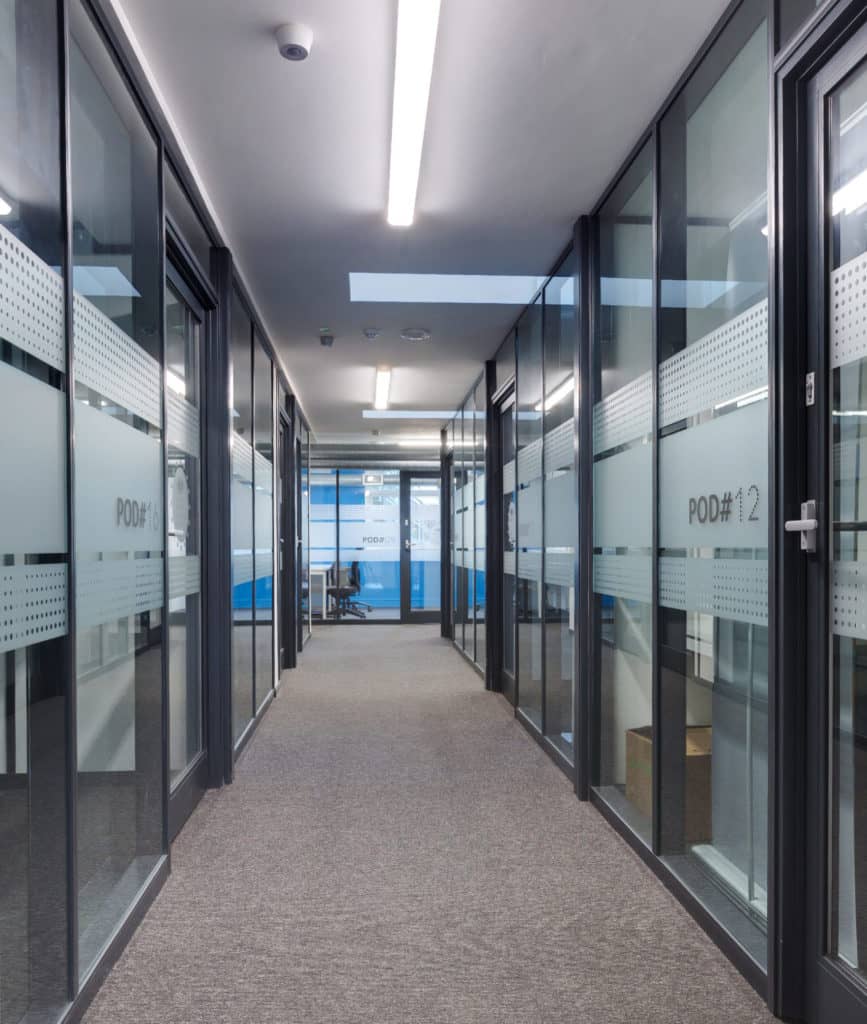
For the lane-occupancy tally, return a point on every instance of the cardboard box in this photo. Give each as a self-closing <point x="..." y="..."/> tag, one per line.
<point x="698" y="815"/>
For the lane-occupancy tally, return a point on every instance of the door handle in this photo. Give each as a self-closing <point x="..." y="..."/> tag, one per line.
<point x="407" y="544"/>
<point x="807" y="526"/>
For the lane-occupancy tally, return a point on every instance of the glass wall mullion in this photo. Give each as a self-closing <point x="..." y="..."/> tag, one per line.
<point x="655" y="686"/>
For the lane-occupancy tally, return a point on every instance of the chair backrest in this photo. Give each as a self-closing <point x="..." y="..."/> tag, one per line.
<point x="344" y="576"/>
<point x="355" y="575"/>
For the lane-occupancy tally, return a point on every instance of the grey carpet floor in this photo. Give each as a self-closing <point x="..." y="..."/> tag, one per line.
<point x="397" y="850"/>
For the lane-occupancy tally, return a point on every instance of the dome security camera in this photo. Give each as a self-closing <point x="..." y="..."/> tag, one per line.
<point x="294" y="41"/>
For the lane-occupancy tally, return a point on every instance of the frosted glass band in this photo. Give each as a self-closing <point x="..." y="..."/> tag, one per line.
<point x="727" y="363"/>
<point x="185" y="575"/>
<point x="109" y="362"/>
<point x="32" y="310"/>
<point x="115" y="589"/>
<point x="728" y="588"/>
<point x="182" y="423"/>
<point x="848" y="312"/>
<point x="32" y="604"/>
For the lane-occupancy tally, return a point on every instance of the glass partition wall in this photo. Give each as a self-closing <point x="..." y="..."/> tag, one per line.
<point x="105" y="330"/>
<point x="369" y="560"/>
<point x="466" y="440"/>
<point x="34" y="546"/>
<point x="622" y="451"/>
<point x="119" y="508"/>
<point x="263" y="500"/>
<point x="712" y="425"/>
<point x="252" y="520"/>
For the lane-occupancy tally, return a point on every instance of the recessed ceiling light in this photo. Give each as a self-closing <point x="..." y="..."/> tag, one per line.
<point x="5" y="207"/>
<point x="383" y="384"/>
<point x="415" y="334"/>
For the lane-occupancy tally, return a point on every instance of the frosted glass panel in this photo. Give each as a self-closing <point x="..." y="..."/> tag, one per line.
<point x="34" y="653"/>
<point x="120" y="519"/>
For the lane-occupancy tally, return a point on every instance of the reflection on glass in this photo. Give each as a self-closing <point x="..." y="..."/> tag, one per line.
<point x="622" y="497"/>
<point x="480" y="531"/>
<point x="118" y="490"/>
<point x="529" y="485"/>
<point x="263" y="503"/>
<point x="847" y="686"/>
<point x="713" y="481"/>
<point x="323" y="541"/>
<point x="364" y="580"/>
<point x="424" y="524"/>
<point x="509" y="526"/>
<point x="183" y="403"/>
<point x="34" y="681"/>
<point x="561" y="519"/>
<point x="243" y="571"/>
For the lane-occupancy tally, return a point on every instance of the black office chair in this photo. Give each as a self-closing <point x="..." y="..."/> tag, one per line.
<point x="345" y="589"/>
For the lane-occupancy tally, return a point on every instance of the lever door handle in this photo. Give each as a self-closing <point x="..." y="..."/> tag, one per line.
<point x="801" y="525"/>
<point x="807" y="526"/>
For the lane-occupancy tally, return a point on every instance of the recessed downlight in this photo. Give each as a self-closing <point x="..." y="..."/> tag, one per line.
<point x="415" y="334"/>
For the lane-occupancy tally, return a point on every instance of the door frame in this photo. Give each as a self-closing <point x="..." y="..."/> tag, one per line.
<point x="801" y="980"/>
<point x="407" y="614"/>
<point x="184" y="277"/>
<point x="504" y="397"/>
<point x="287" y="637"/>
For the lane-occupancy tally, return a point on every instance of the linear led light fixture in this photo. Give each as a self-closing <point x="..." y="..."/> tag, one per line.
<point x="407" y="414"/>
<point x="417" y="22"/>
<point x="383" y="383"/>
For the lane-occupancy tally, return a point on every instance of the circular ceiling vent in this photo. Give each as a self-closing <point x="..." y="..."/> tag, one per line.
<point x="415" y="334"/>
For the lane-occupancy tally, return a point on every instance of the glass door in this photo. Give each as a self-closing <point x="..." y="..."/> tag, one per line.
<point x="187" y="761"/>
<point x="421" y="525"/>
<point x="509" y="527"/>
<point x="833" y="537"/>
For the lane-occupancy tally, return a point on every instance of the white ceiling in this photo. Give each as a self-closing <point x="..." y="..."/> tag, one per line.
<point x="532" y="109"/>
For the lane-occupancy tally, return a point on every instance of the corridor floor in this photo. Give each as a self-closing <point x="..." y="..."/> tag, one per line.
<point x="397" y="850"/>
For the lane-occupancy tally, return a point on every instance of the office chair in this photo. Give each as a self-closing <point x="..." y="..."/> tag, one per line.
<point x="345" y="590"/>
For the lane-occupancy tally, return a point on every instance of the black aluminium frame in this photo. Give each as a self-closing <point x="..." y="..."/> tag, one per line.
<point x="783" y="983"/>
<point x="212" y="288"/>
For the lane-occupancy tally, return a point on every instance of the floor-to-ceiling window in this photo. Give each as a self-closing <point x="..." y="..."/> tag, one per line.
<point x="561" y="521"/>
<point x="34" y="663"/>
<point x="622" y="496"/>
<point x="119" y="534"/>
<point x="529" y="499"/>
<point x="713" y="479"/>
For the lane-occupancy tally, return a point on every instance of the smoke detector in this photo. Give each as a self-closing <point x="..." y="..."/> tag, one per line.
<point x="371" y="333"/>
<point x="415" y="334"/>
